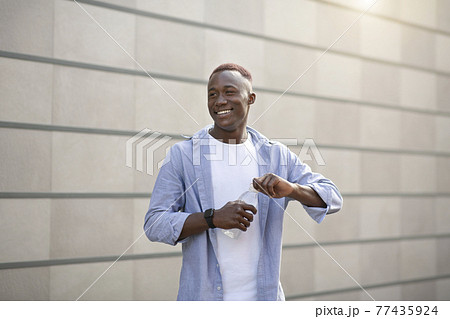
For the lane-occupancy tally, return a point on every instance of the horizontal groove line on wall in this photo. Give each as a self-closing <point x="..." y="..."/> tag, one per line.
<point x="96" y="67"/>
<point x="76" y="129"/>
<point x="84" y="260"/>
<point x="409" y="24"/>
<point x="74" y="195"/>
<point x="161" y="76"/>
<point x="437" y="194"/>
<point x="79" y="195"/>
<point x="367" y="287"/>
<point x="88" y="130"/>
<point x="366" y="241"/>
<point x="98" y="259"/>
<point x="253" y="35"/>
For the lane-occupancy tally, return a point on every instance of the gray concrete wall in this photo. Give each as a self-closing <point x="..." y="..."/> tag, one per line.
<point x="377" y="105"/>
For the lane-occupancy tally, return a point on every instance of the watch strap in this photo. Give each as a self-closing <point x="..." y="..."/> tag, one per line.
<point x="209" y="213"/>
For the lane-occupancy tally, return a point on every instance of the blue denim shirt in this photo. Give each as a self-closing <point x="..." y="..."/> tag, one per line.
<point x="184" y="186"/>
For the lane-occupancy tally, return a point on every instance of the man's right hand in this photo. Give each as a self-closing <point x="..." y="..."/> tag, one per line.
<point x="235" y="214"/>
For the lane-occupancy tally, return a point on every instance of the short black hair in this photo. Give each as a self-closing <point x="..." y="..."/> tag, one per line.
<point x="233" y="67"/>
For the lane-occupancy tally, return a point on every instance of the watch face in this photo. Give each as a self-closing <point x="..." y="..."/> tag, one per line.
<point x="208" y="213"/>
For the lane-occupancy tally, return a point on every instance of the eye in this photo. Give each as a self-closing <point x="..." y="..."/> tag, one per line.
<point x="229" y="92"/>
<point x="212" y="94"/>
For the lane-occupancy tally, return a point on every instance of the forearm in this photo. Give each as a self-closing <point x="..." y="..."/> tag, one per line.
<point x="194" y="224"/>
<point x="307" y="196"/>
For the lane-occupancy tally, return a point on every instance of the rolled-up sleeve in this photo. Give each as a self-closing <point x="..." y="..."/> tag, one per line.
<point x="165" y="219"/>
<point x="301" y="173"/>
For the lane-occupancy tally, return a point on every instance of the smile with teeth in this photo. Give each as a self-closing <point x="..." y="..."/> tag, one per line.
<point x="223" y="112"/>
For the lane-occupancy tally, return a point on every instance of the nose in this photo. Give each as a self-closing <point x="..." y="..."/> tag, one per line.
<point x="221" y="100"/>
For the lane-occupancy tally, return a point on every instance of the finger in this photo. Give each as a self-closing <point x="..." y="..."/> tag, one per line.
<point x="260" y="184"/>
<point x="249" y="207"/>
<point x="248" y="216"/>
<point x="241" y="227"/>
<point x="265" y="184"/>
<point x="244" y="221"/>
<point x="257" y="184"/>
<point x="273" y="181"/>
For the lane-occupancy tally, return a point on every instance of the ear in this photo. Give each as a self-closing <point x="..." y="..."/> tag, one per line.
<point x="251" y="98"/>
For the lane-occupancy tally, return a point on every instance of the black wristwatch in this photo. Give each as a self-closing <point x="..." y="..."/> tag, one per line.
<point x="208" y="214"/>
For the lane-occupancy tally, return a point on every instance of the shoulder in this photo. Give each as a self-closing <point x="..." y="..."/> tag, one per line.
<point x="184" y="148"/>
<point x="262" y="141"/>
<point x="180" y="150"/>
<point x="271" y="150"/>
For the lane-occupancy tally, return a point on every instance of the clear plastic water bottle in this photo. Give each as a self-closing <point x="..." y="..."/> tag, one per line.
<point x="250" y="197"/>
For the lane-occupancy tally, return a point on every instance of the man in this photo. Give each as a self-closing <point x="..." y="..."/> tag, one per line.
<point x="195" y="199"/>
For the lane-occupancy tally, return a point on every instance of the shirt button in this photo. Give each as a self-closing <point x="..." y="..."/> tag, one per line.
<point x="218" y="288"/>
<point x="217" y="265"/>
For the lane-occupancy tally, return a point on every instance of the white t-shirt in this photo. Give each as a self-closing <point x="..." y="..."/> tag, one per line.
<point x="233" y="167"/>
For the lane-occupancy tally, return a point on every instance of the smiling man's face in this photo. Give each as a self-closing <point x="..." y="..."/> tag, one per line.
<point x="229" y="99"/>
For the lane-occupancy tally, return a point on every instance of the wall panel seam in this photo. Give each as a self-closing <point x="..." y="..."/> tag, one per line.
<point x="252" y="34"/>
<point x="99" y="259"/>
<point x="406" y="23"/>
<point x="90" y="130"/>
<point x="366" y="287"/>
<point x="161" y="76"/>
<point x="367" y="241"/>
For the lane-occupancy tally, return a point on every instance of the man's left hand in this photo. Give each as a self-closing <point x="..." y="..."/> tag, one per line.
<point x="277" y="187"/>
<point x="273" y="185"/>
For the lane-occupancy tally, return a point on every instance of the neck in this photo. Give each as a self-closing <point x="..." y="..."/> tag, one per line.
<point x="237" y="136"/>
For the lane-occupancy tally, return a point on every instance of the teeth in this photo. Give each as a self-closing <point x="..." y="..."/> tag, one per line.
<point x="224" y="112"/>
